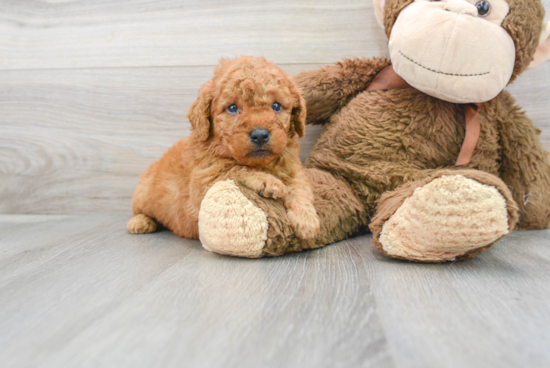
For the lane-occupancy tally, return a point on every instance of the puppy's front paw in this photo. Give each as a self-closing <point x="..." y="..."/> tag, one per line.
<point x="271" y="188"/>
<point x="305" y="223"/>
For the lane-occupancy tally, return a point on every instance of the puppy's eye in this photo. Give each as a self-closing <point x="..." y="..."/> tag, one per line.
<point x="232" y="109"/>
<point x="276" y="107"/>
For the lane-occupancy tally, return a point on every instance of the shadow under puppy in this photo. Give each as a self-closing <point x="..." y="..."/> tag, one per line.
<point x="245" y="127"/>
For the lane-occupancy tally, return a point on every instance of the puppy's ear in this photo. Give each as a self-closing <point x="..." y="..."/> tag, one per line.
<point x="299" y="112"/>
<point x="199" y="112"/>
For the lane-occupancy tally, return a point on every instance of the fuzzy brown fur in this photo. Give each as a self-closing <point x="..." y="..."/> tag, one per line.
<point x="220" y="147"/>
<point x="381" y="140"/>
<point x="380" y="145"/>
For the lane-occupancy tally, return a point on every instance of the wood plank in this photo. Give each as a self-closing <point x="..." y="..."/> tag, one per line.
<point x="492" y="311"/>
<point x="76" y="141"/>
<point x="81" y="292"/>
<point x="143" y="33"/>
<point x="132" y="33"/>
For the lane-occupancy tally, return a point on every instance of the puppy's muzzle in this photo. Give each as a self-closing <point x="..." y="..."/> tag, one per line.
<point x="259" y="137"/>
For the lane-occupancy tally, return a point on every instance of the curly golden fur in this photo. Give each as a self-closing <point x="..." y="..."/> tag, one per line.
<point x="237" y="103"/>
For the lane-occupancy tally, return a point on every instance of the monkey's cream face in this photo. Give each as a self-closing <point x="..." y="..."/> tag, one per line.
<point x="455" y="50"/>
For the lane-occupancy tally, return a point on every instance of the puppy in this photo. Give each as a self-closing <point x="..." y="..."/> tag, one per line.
<point x="245" y="126"/>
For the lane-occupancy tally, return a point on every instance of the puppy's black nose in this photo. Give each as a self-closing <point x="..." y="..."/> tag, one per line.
<point x="259" y="136"/>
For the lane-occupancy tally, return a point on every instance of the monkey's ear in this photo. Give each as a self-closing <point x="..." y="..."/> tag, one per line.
<point x="543" y="51"/>
<point x="379" y="11"/>
<point x="199" y="113"/>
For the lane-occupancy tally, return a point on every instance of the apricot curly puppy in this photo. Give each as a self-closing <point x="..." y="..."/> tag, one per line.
<point x="245" y="126"/>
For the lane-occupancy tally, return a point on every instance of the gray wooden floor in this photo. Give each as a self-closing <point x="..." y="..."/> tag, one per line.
<point x="92" y="92"/>
<point x="78" y="291"/>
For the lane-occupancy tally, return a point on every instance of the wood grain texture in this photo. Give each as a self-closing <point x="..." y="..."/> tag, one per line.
<point x="130" y="33"/>
<point x="78" y="291"/>
<point x="76" y="141"/>
<point x="492" y="311"/>
<point x="81" y="292"/>
<point x="85" y="107"/>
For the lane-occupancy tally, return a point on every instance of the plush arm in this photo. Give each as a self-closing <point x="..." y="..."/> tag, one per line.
<point x="524" y="165"/>
<point x="328" y="89"/>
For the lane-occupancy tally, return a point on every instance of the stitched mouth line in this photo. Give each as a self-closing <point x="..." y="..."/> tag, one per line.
<point x="438" y="72"/>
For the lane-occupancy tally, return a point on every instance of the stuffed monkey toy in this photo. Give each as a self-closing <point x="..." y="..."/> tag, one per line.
<point x="426" y="149"/>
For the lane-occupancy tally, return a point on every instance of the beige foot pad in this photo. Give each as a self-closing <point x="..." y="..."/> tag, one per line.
<point x="445" y="219"/>
<point x="230" y="224"/>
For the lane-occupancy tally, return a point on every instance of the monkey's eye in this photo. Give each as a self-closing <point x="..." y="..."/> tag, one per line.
<point x="483" y="8"/>
<point x="232" y="109"/>
<point x="276" y="107"/>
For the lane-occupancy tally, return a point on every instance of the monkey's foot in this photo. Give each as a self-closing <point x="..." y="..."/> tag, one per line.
<point x="237" y="221"/>
<point x="229" y="223"/>
<point x="446" y="218"/>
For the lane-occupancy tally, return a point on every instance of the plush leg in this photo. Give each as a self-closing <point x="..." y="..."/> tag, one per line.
<point x="237" y="221"/>
<point x="141" y="224"/>
<point x="448" y="216"/>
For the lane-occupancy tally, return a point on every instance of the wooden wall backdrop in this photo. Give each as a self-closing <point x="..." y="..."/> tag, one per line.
<point x="93" y="91"/>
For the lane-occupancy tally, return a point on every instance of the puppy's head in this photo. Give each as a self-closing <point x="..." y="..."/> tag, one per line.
<point x="249" y="111"/>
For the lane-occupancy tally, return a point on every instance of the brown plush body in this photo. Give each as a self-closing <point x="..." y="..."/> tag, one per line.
<point x="247" y="97"/>
<point x="404" y="135"/>
<point x="387" y="158"/>
<point x="392" y="137"/>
